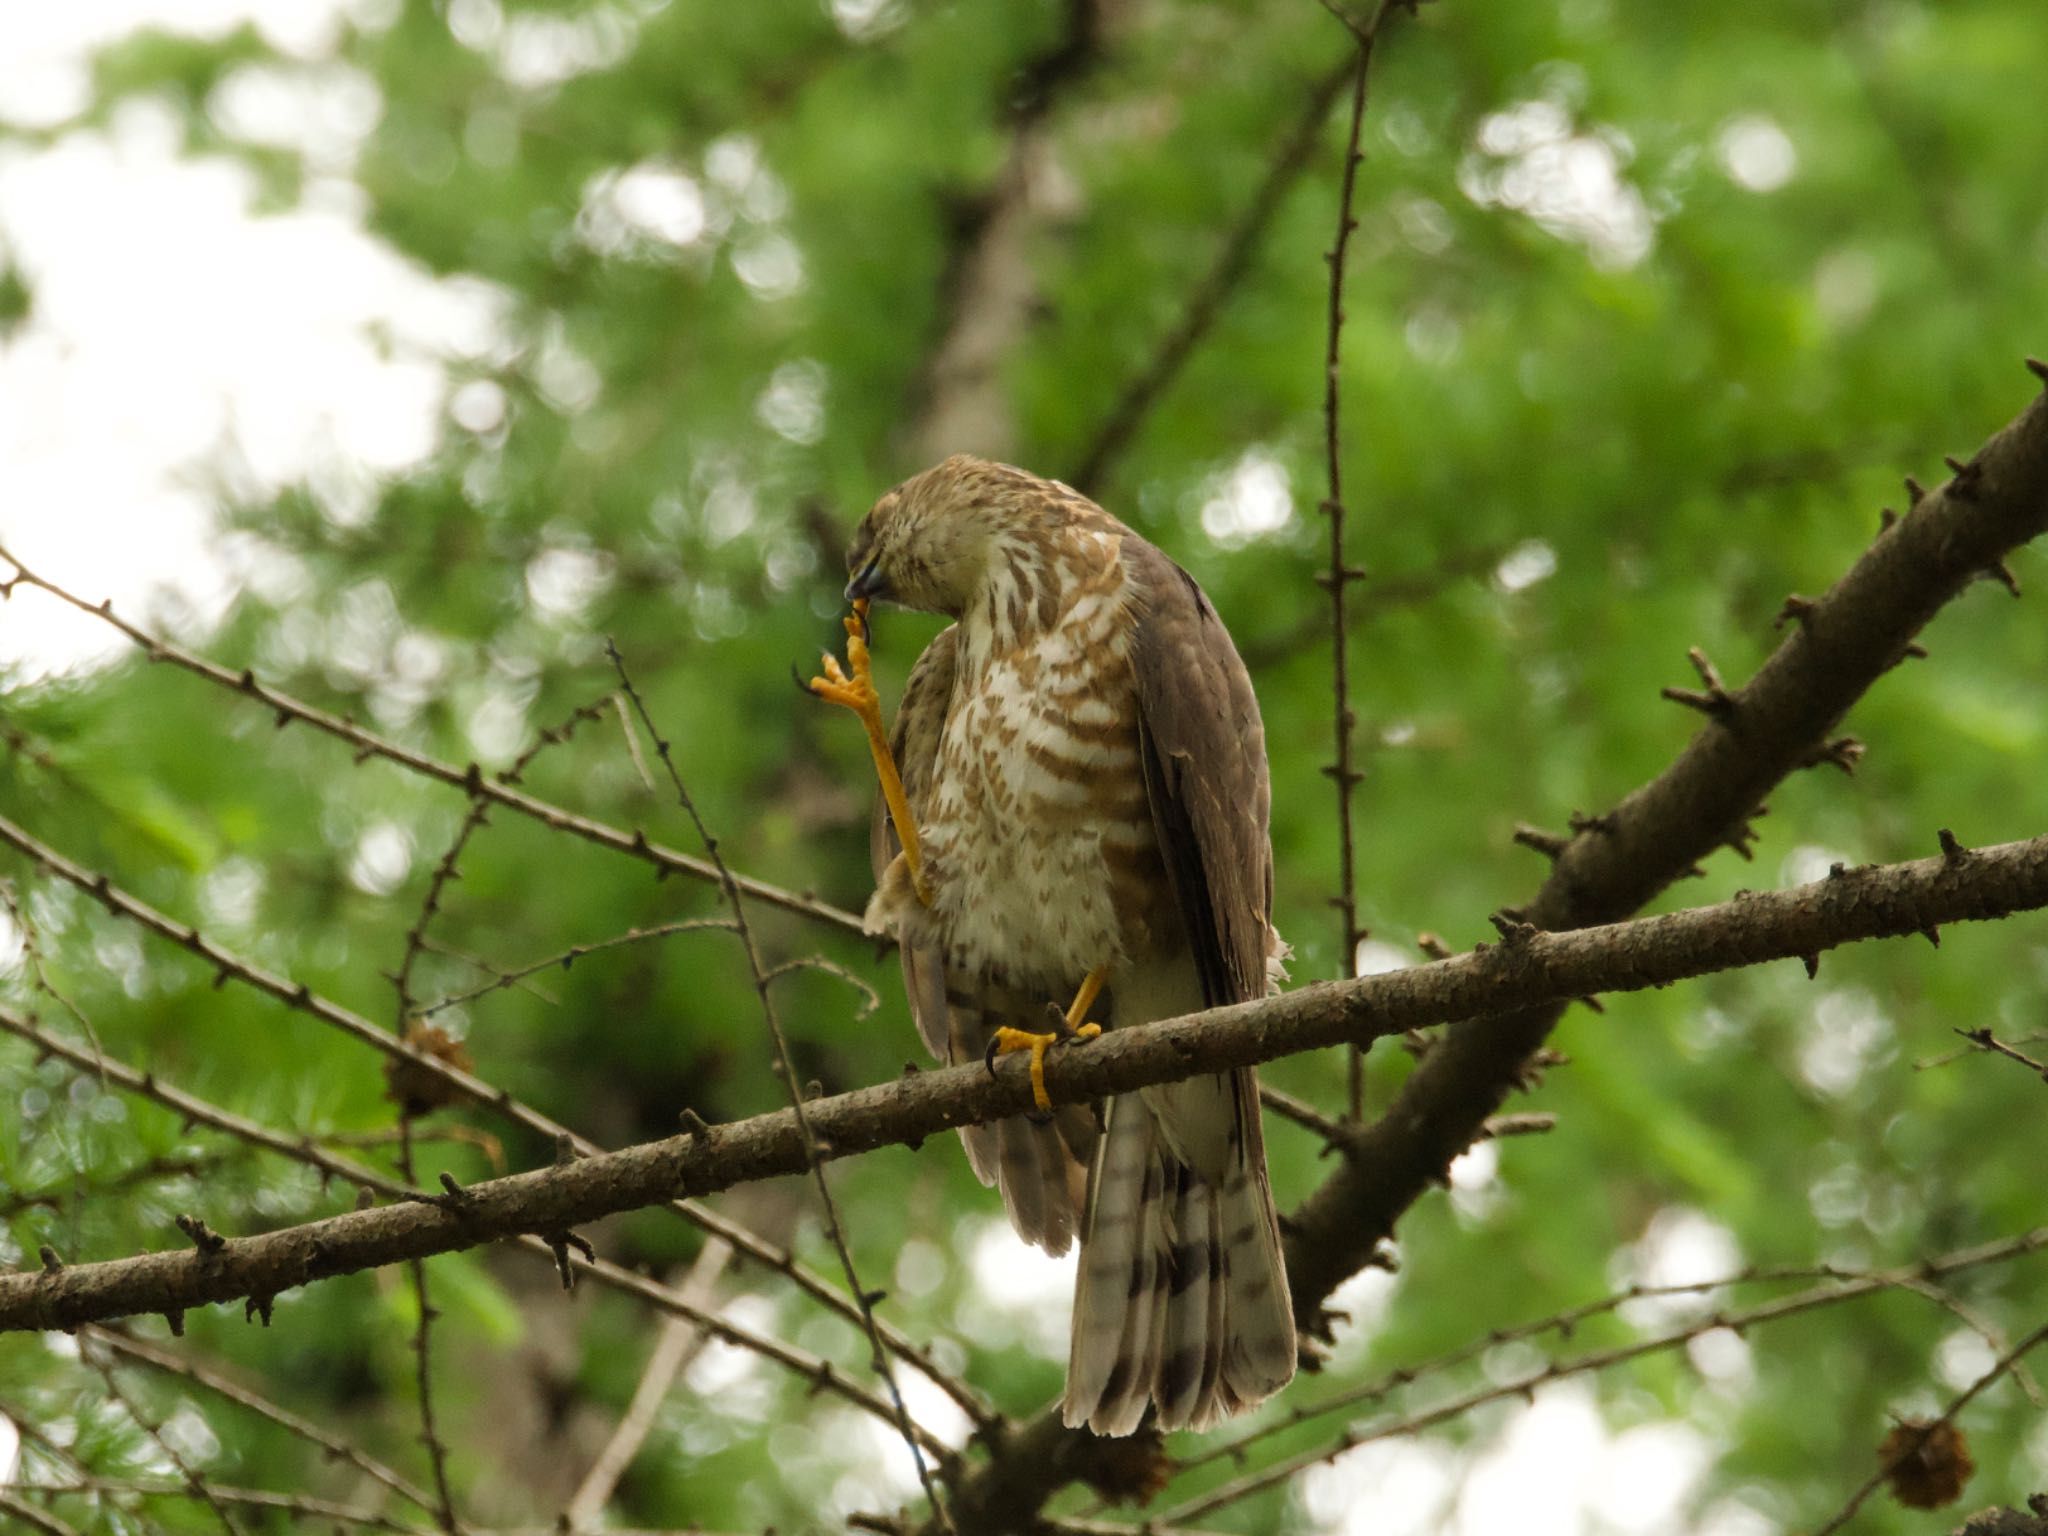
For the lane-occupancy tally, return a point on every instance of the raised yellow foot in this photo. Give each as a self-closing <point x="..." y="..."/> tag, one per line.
<point x="853" y="687"/>
<point x="1008" y="1041"/>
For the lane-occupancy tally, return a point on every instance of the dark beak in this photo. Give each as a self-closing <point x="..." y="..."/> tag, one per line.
<point x="868" y="582"/>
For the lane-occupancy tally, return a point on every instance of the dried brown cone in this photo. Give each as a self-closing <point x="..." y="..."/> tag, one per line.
<point x="1926" y="1467"/>
<point x="416" y="1089"/>
<point x="1133" y="1469"/>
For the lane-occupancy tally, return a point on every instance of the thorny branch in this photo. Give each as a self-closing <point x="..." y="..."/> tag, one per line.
<point x="471" y="780"/>
<point x="302" y="998"/>
<point x="305" y="1150"/>
<point x="1531" y="968"/>
<point x="1206" y="301"/>
<point x="1341" y="574"/>
<point x="1610" y="865"/>
<point x="1910" y="1445"/>
<point x="1828" y="1293"/>
<point x="785" y="1068"/>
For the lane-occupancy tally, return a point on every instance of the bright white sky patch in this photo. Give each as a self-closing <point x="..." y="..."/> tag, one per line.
<point x="1525" y="565"/>
<point x="1249" y="500"/>
<point x="226" y="352"/>
<point x="1847" y="1035"/>
<point x="1756" y="153"/>
<point x="1021" y="1285"/>
<point x="1681" y="1246"/>
<point x="1531" y="157"/>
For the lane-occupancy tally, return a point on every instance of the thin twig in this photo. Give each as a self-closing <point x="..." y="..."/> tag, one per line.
<point x="1826" y="1294"/>
<point x="36" y="1519"/>
<point x="298" y="996"/>
<point x="422" y="1348"/>
<point x="568" y="957"/>
<point x="142" y="1352"/>
<point x="447" y="870"/>
<point x="1909" y="1444"/>
<point x="39" y="974"/>
<point x="300" y="1505"/>
<point x="471" y="779"/>
<point x="1340" y="574"/>
<point x="675" y="1346"/>
<point x="786" y="1070"/>
<point x="1205" y="302"/>
<point x="170" y="1452"/>
<point x="614" y="1277"/>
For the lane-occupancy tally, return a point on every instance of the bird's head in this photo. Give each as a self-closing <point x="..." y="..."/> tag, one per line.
<point x="927" y="544"/>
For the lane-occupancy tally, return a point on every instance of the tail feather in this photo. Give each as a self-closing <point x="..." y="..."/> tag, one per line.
<point x="1041" y="1165"/>
<point x="1181" y="1303"/>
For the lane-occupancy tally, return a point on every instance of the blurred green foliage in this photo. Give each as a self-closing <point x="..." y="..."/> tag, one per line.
<point x="1650" y="309"/>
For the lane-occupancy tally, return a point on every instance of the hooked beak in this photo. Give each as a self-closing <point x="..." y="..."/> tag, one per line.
<point x="868" y="582"/>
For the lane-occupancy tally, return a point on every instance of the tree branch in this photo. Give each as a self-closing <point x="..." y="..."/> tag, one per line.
<point x="471" y="780"/>
<point x="1842" y="643"/>
<point x="1529" y="969"/>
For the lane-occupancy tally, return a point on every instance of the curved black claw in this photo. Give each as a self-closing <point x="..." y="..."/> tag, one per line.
<point x="988" y="1057"/>
<point x="796" y="676"/>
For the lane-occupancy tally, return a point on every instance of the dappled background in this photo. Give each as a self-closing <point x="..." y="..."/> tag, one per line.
<point x="404" y="352"/>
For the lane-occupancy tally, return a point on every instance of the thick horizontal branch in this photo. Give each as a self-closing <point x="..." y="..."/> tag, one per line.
<point x="471" y="780"/>
<point x="1528" y="969"/>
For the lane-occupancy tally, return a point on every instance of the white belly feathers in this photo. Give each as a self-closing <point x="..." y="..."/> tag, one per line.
<point x="1032" y="776"/>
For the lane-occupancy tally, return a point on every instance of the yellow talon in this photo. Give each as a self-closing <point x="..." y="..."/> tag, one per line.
<point x="853" y="687"/>
<point x="1008" y="1041"/>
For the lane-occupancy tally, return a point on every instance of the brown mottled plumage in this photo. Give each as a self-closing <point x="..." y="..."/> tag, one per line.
<point x="1083" y="757"/>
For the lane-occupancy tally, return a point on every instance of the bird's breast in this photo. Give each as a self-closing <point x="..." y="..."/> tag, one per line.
<point x="1039" y="827"/>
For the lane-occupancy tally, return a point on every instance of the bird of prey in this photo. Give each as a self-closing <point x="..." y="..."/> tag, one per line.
<point x="1075" y="805"/>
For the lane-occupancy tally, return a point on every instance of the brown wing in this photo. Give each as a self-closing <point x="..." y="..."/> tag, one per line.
<point x="1204" y="752"/>
<point x="1040" y="1166"/>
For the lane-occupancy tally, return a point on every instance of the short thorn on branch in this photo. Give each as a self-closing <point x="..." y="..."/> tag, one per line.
<point x="1844" y="752"/>
<point x="1951" y="848"/>
<point x="2039" y="370"/>
<point x="1796" y="608"/>
<point x="561" y="1242"/>
<point x="1604" y="822"/>
<point x="204" y="1238"/>
<point x="2002" y="573"/>
<point x="1715" y="701"/>
<point x="1966" y="475"/>
<point x="51" y="1263"/>
<point x="1549" y="844"/>
<point x="1915" y="493"/>
<point x="1885" y="518"/>
<point x="1515" y="930"/>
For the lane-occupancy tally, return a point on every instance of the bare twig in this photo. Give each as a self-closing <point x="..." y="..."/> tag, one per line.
<point x="1534" y="969"/>
<point x="302" y="998"/>
<point x="675" y="1346"/>
<point x="1909" y="1444"/>
<point x="423" y="1335"/>
<point x="1340" y="574"/>
<point x="470" y="779"/>
<point x="568" y="957"/>
<point x="119" y="1341"/>
<point x="1828" y="1293"/>
<point x="1984" y="1040"/>
<point x="785" y="1066"/>
<point x="34" y="1518"/>
<point x="1205" y="302"/>
<point x="614" y="1277"/>
<point x="170" y="1452"/>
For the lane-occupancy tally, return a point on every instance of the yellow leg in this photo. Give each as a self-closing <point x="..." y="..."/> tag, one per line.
<point x="853" y="687"/>
<point x="1008" y="1041"/>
